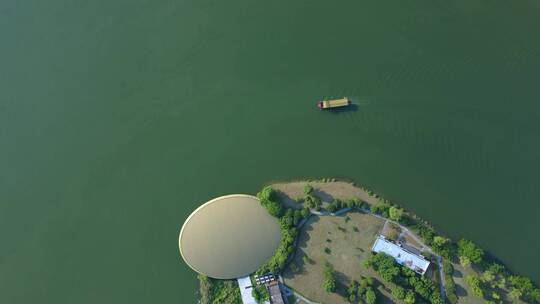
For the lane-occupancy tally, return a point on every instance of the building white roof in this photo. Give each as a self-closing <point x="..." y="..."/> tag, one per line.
<point x="245" y="290"/>
<point x="402" y="256"/>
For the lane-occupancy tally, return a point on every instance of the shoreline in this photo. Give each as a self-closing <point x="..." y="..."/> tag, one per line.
<point x="452" y="263"/>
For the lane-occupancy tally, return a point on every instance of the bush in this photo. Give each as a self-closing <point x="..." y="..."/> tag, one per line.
<point x="329" y="281"/>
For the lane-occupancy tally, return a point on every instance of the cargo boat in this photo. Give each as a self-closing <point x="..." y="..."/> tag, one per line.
<point x="333" y="103"/>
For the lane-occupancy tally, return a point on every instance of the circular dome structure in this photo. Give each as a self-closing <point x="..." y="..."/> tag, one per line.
<point x="229" y="237"/>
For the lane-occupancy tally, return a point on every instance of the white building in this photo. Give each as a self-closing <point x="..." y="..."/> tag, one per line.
<point x="415" y="262"/>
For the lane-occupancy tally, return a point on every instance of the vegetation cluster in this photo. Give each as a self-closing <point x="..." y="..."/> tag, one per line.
<point x="410" y="287"/>
<point x="213" y="291"/>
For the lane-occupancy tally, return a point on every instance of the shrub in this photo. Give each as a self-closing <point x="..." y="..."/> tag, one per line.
<point x="329" y="281"/>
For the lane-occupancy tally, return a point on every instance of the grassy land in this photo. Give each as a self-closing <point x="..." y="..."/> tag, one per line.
<point x="213" y="291"/>
<point x="333" y="239"/>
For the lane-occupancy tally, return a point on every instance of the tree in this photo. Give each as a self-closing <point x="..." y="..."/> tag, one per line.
<point x="267" y="193"/>
<point x="488" y="276"/>
<point x="370" y="296"/>
<point x="352" y="291"/>
<point x="395" y="213"/>
<point x="398" y="293"/>
<point x="308" y="189"/>
<point x="514" y="294"/>
<point x="464" y="261"/>
<point x="259" y="294"/>
<point x="383" y="264"/>
<point x="331" y="207"/>
<point x="440" y="241"/>
<point x="329" y="281"/>
<point x="469" y="250"/>
<point x="474" y="283"/>
<point x="352" y="203"/>
<point x="304" y="212"/>
<point x="274" y="208"/>
<point x="410" y="297"/>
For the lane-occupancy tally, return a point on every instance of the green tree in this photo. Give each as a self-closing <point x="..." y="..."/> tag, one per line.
<point x="398" y="293"/>
<point x="308" y="189"/>
<point x="410" y="297"/>
<point x="469" y="250"/>
<point x="439" y="241"/>
<point x="383" y="264"/>
<point x="304" y="212"/>
<point x="464" y="261"/>
<point x="395" y="213"/>
<point x="260" y="294"/>
<point x="352" y="203"/>
<point x="514" y="294"/>
<point x="329" y="281"/>
<point x="474" y="284"/>
<point x="488" y="276"/>
<point x="332" y="207"/>
<point x="352" y="291"/>
<point x="370" y="296"/>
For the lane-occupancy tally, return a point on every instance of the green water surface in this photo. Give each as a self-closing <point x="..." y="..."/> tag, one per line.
<point x="119" y="118"/>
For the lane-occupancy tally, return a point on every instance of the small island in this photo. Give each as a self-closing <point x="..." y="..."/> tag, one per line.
<point x="341" y="243"/>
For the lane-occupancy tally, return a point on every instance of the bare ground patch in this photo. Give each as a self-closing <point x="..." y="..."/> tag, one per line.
<point x="344" y="243"/>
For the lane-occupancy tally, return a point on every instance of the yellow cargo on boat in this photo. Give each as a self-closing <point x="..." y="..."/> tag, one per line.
<point x="334" y="103"/>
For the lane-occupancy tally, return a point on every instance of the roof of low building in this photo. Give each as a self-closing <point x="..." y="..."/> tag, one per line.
<point x="402" y="256"/>
<point x="275" y="293"/>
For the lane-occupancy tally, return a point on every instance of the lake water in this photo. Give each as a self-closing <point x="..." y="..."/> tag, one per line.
<point x="119" y="118"/>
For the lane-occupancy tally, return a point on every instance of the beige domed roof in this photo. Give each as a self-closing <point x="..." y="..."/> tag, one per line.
<point x="229" y="237"/>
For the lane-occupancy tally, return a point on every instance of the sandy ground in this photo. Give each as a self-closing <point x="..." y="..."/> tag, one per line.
<point x="326" y="191"/>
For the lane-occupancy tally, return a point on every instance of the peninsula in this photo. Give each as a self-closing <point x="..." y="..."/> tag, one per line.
<point x="341" y="243"/>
